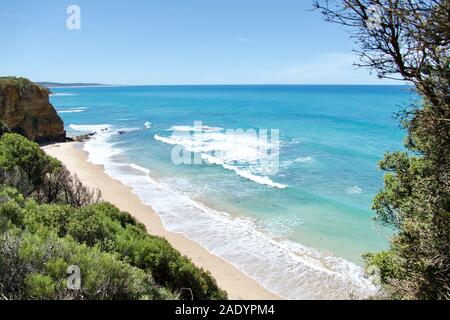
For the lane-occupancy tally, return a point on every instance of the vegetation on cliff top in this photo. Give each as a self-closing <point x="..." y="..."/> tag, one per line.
<point x="23" y="84"/>
<point x="15" y="81"/>
<point x="50" y="221"/>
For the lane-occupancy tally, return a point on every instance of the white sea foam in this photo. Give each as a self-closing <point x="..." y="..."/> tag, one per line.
<point x="304" y="159"/>
<point x="72" y="110"/>
<point x="295" y="141"/>
<point x="61" y="94"/>
<point x="307" y="159"/>
<point x="354" y="190"/>
<point x="243" y="173"/>
<point x="99" y="148"/>
<point x="289" y="269"/>
<point x="139" y="168"/>
<point x="193" y="128"/>
<point x="90" y="127"/>
<point x="166" y="140"/>
<point x="244" y="154"/>
<point x="147" y="125"/>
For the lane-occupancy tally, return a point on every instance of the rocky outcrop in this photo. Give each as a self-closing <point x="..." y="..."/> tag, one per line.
<point x="25" y="109"/>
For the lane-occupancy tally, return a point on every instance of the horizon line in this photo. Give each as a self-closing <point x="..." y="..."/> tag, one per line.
<point x="95" y="84"/>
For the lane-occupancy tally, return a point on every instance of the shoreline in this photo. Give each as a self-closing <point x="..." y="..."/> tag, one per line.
<point x="238" y="285"/>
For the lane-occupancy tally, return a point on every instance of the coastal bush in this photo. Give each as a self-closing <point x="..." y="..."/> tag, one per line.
<point x="26" y="167"/>
<point x="17" y="151"/>
<point x="410" y="42"/>
<point x="34" y="266"/>
<point x="104" y="230"/>
<point x="22" y="84"/>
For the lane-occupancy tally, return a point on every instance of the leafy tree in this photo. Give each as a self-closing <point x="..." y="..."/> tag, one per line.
<point x="410" y="41"/>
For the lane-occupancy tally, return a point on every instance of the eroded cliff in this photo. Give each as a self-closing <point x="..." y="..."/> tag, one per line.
<point x="25" y="109"/>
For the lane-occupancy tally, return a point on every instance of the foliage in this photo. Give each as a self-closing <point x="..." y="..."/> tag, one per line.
<point x="25" y="166"/>
<point x="15" y="81"/>
<point x="23" y="85"/>
<point x="117" y="258"/>
<point x="34" y="266"/>
<point x="412" y="41"/>
<point x="16" y="150"/>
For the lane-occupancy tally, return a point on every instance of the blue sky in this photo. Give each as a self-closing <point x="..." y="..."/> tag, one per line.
<point x="176" y="42"/>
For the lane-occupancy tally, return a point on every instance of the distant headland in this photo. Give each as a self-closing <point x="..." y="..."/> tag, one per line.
<point x="74" y="84"/>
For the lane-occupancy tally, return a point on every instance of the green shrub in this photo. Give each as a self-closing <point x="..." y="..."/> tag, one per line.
<point x="100" y="232"/>
<point x="18" y="151"/>
<point x="34" y="266"/>
<point x="26" y="167"/>
<point x="39" y="286"/>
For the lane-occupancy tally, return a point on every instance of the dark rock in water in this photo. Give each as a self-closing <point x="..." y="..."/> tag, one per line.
<point x="69" y="139"/>
<point x="122" y="132"/>
<point x="84" y="137"/>
<point x="25" y="109"/>
<point x="104" y="129"/>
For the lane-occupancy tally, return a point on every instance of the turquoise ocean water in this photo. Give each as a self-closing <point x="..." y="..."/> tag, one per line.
<point x="299" y="232"/>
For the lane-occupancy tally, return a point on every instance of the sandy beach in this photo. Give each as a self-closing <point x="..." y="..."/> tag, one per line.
<point x="229" y="278"/>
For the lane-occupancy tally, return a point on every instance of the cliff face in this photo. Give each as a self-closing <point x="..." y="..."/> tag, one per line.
<point x="25" y="108"/>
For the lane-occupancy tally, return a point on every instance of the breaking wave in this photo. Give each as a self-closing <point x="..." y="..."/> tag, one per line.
<point x="244" y="154"/>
